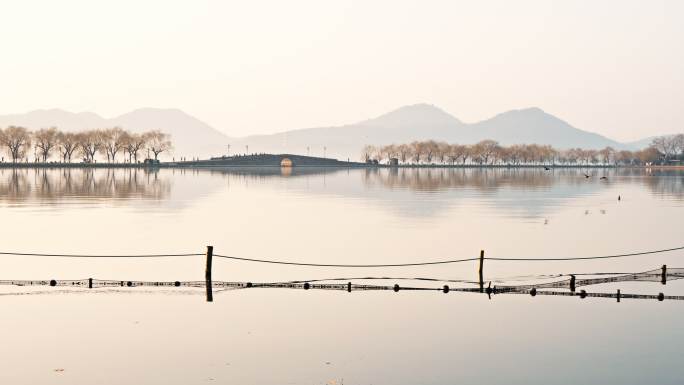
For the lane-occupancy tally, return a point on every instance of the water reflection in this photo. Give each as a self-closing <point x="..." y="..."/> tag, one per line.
<point x="272" y="172"/>
<point x="50" y="186"/>
<point x="666" y="184"/>
<point x="442" y="178"/>
<point x="514" y="188"/>
<point x="662" y="182"/>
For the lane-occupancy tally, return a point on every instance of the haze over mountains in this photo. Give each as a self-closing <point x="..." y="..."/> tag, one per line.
<point x="193" y="137"/>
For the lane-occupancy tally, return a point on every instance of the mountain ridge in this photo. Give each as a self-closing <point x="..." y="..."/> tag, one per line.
<point x="424" y="122"/>
<point x="193" y="137"/>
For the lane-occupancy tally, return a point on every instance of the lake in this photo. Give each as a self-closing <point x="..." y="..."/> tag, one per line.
<point x="337" y="216"/>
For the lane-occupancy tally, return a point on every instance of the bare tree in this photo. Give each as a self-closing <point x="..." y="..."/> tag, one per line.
<point x="665" y="145"/>
<point x="46" y="139"/>
<point x="417" y="149"/>
<point x="607" y="154"/>
<point x="388" y="152"/>
<point x="458" y="152"/>
<point x="679" y="144"/>
<point x="403" y="150"/>
<point x="134" y="143"/>
<point x="367" y="153"/>
<point x="113" y="140"/>
<point x="67" y="143"/>
<point x="485" y="149"/>
<point x="442" y="151"/>
<point x="17" y="140"/>
<point x="430" y="149"/>
<point x="649" y="155"/>
<point x="89" y="143"/>
<point x="158" y="142"/>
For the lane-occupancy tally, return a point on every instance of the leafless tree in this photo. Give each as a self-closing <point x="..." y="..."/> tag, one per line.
<point x="89" y="143"/>
<point x="17" y="140"/>
<point x="665" y="145"/>
<point x="134" y="143"/>
<point x="607" y="154"/>
<point x="679" y="144"/>
<point x="367" y="152"/>
<point x="46" y="140"/>
<point x="442" y="151"/>
<point x="67" y="143"/>
<point x="489" y="152"/>
<point x="113" y="140"/>
<point x="158" y="142"/>
<point x="403" y="150"/>
<point x="485" y="149"/>
<point x="430" y="148"/>
<point x="417" y="149"/>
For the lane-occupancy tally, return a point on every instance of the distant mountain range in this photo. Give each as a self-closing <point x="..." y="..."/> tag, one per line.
<point x="424" y="121"/>
<point x="193" y="137"/>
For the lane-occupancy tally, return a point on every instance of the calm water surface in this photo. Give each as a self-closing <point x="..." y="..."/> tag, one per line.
<point x="336" y="216"/>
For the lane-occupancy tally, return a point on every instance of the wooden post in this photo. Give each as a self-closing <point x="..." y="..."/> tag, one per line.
<point x="572" y="283"/>
<point x="90" y="283"/>
<point x="207" y="274"/>
<point x="663" y="275"/>
<point x="618" y="295"/>
<point x="481" y="267"/>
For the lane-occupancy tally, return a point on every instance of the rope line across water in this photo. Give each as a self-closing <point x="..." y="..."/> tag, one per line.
<point x="120" y="287"/>
<point x="345" y="265"/>
<point x="293" y="263"/>
<point x="100" y="256"/>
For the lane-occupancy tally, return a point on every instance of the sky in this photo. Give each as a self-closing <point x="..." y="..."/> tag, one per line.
<point x="249" y="67"/>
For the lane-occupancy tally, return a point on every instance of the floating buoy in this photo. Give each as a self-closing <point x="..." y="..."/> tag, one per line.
<point x="445" y="289"/>
<point x="53" y="282"/>
<point x="396" y="287"/>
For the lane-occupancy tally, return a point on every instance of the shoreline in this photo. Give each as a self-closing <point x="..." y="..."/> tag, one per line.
<point x="340" y="164"/>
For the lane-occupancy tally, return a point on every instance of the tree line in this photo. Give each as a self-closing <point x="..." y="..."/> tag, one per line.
<point x="50" y="143"/>
<point x="489" y="152"/>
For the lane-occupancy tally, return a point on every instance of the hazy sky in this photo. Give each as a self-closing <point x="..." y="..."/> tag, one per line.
<point x="613" y="67"/>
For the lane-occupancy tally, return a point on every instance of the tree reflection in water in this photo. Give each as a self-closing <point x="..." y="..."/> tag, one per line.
<point x="668" y="183"/>
<point x="53" y="185"/>
<point x="45" y="185"/>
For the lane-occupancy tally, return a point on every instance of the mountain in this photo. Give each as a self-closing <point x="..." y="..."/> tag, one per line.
<point x="643" y="143"/>
<point x="532" y="125"/>
<point x="191" y="137"/>
<point x="424" y="121"/>
<point x="403" y="125"/>
<point x="67" y="121"/>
